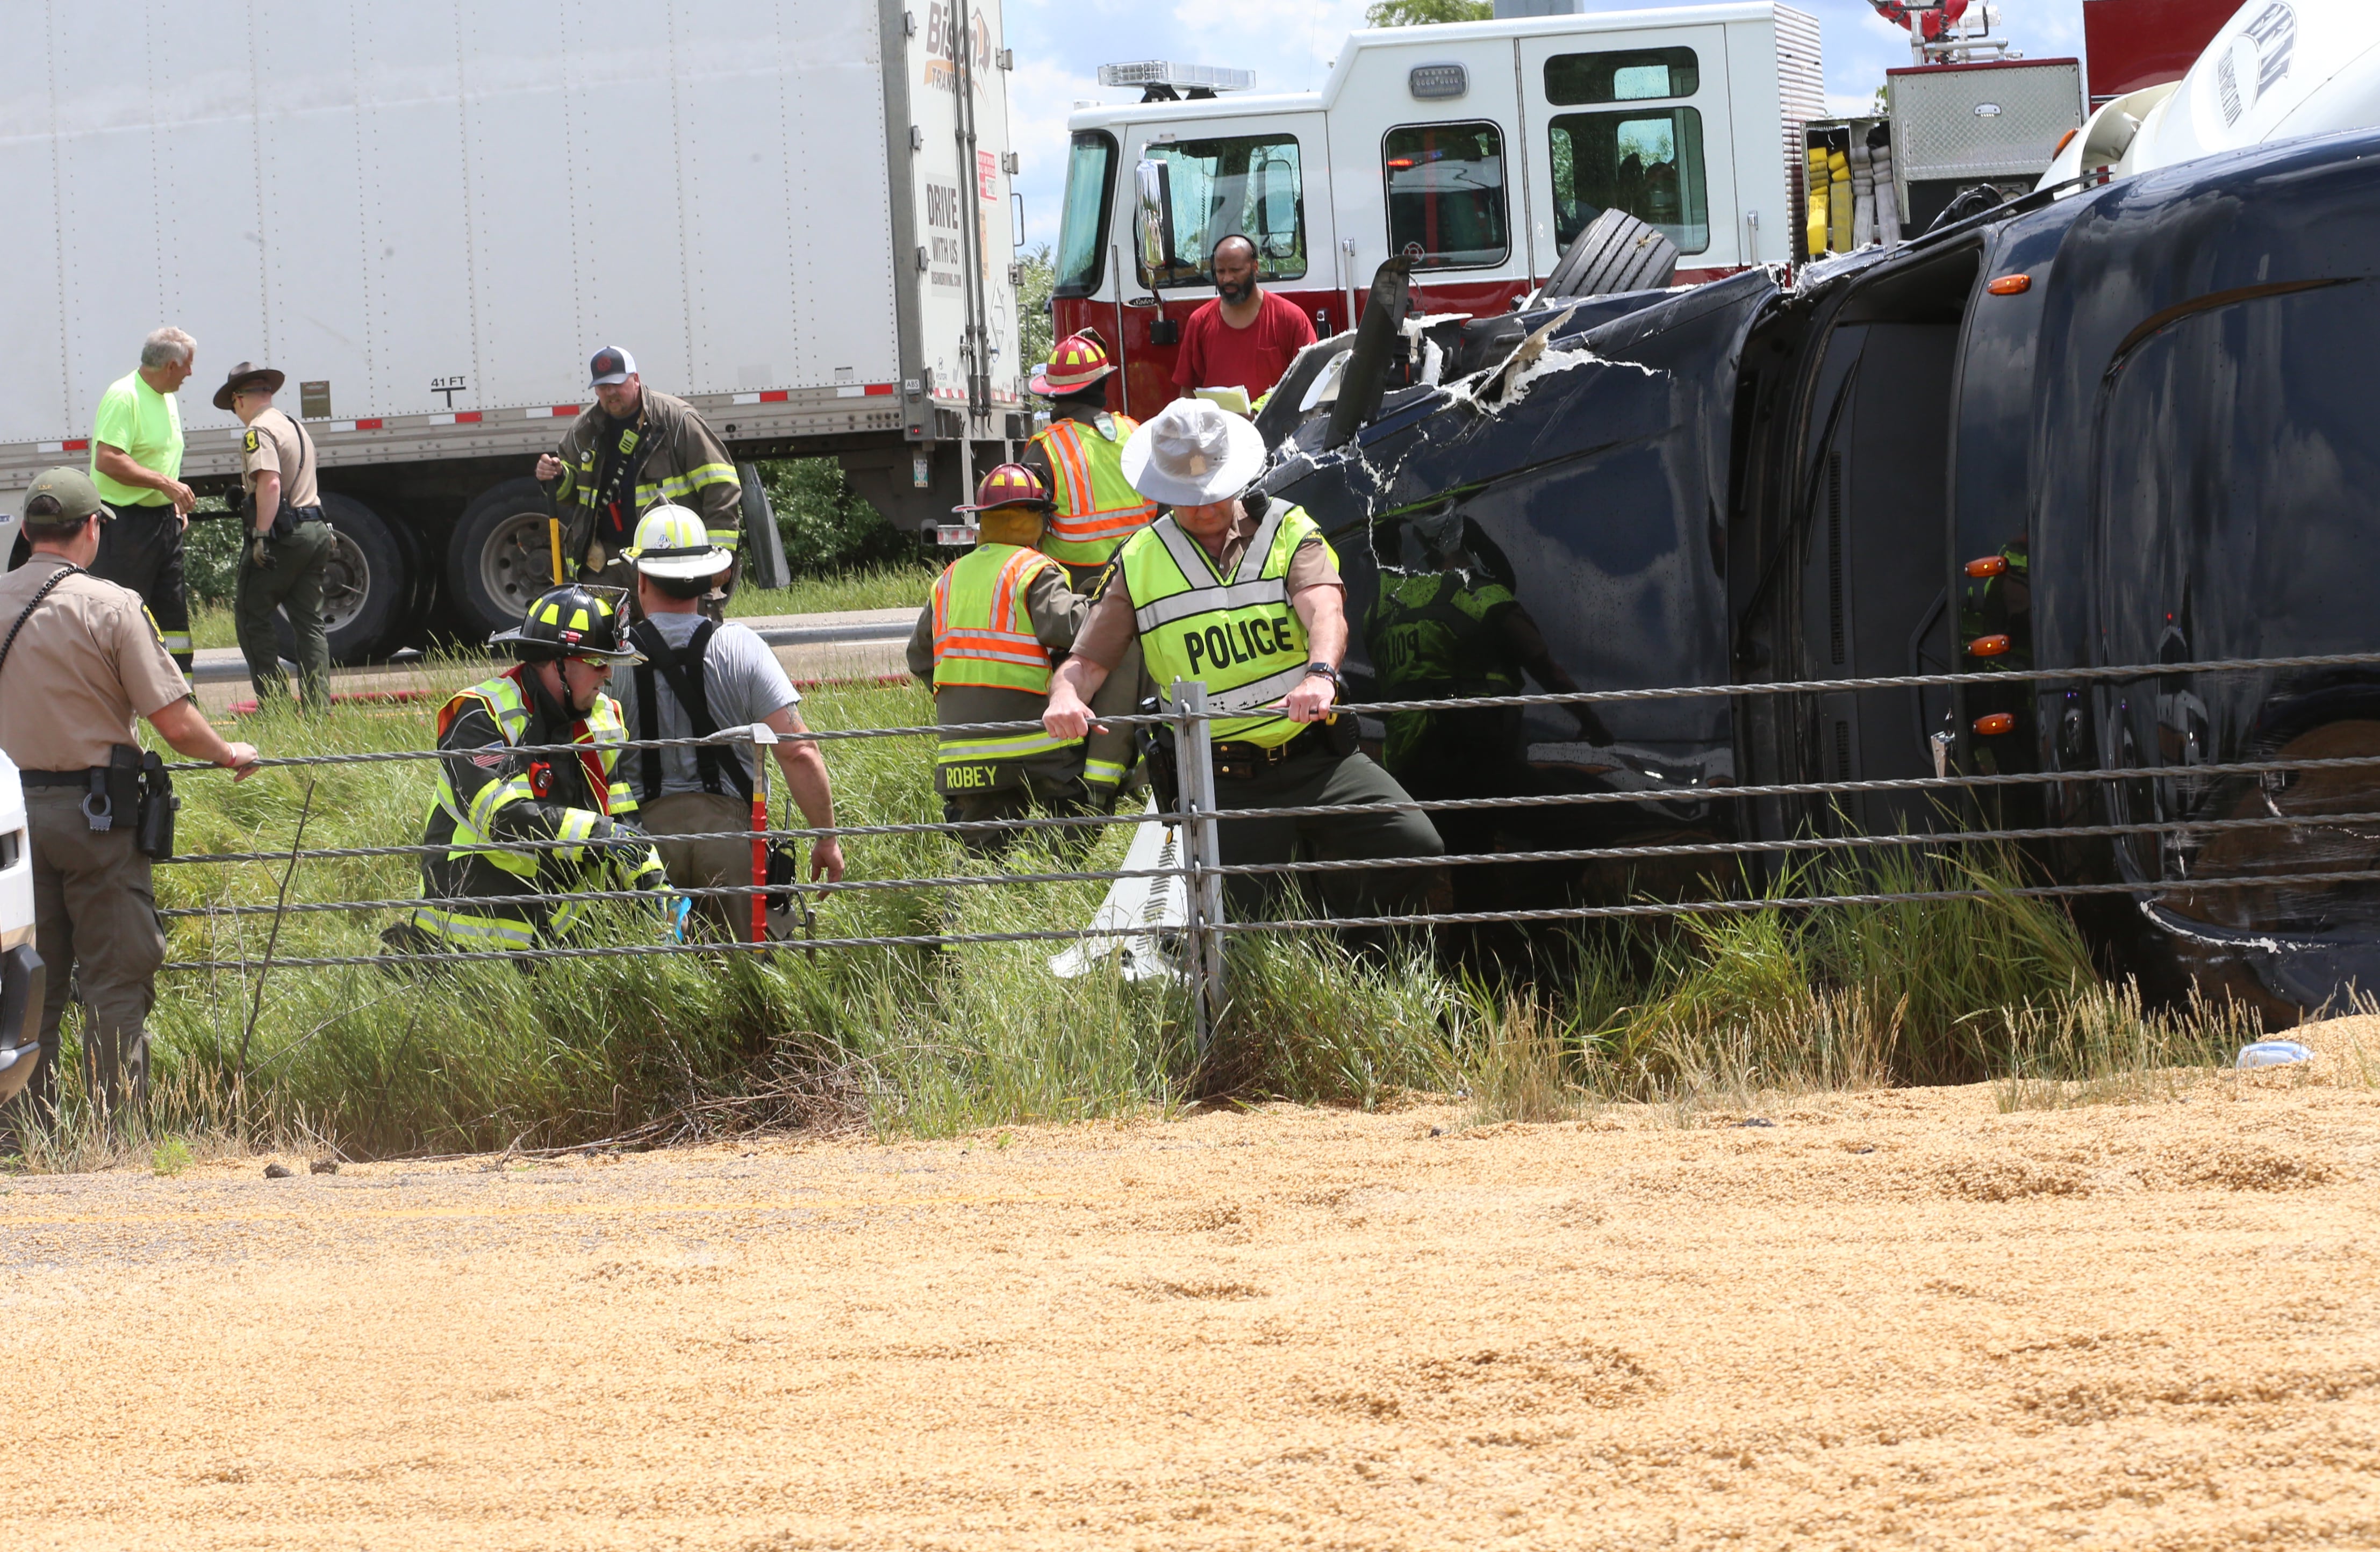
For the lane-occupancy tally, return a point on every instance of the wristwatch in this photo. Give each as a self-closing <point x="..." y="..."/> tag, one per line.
<point x="1327" y="671"/>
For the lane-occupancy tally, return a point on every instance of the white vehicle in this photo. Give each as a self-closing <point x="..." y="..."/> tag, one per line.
<point x="796" y="216"/>
<point x="21" y="977"/>
<point x="1480" y="148"/>
<point x="2278" y="69"/>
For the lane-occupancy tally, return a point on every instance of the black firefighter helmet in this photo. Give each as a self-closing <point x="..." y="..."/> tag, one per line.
<point x="573" y="622"/>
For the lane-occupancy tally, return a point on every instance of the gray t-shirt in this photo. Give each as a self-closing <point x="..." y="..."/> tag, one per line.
<point x="741" y="679"/>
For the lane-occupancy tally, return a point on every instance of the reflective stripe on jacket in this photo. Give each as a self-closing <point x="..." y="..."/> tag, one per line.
<point x="984" y="636"/>
<point x="474" y="820"/>
<point x="983" y="632"/>
<point x="1097" y="509"/>
<point x="683" y="461"/>
<point x="1237" y="634"/>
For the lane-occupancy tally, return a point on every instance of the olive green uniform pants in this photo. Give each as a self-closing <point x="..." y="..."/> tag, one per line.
<point x="293" y="585"/>
<point x="93" y="915"/>
<point x="1303" y="778"/>
<point x="1053" y="784"/>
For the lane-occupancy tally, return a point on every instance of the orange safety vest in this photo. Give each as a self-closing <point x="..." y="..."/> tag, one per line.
<point x="1096" y="507"/>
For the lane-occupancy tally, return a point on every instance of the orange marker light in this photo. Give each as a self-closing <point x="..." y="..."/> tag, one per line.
<point x="1994" y="725"/>
<point x="2011" y="285"/>
<point x="1990" y="566"/>
<point x="2063" y="141"/>
<point x="1988" y="646"/>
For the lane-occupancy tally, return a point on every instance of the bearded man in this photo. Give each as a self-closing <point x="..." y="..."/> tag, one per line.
<point x="1244" y="338"/>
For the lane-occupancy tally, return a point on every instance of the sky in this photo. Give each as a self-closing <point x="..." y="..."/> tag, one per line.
<point x="1060" y="45"/>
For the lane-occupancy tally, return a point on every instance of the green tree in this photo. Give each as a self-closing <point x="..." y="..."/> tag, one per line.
<point x="1036" y="277"/>
<point x="828" y="527"/>
<point x="1426" y="13"/>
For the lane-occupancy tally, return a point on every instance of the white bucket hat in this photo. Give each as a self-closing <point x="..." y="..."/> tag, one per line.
<point x="1193" y="453"/>
<point x="673" y="542"/>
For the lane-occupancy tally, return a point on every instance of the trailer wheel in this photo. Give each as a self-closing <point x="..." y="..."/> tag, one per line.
<point x="365" y="587"/>
<point x="501" y="557"/>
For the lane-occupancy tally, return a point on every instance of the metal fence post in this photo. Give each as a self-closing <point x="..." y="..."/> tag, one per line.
<point x="1194" y="748"/>
<point x="764" y="746"/>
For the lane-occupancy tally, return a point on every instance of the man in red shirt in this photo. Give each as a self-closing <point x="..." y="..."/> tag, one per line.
<point x="1246" y="337"/>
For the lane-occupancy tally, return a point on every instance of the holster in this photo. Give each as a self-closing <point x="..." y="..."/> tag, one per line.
<point x="114" y="795"/>
<point x="1343" y="734"/>
<point x="156" y="809"/>
<point x="1157" y="753"/>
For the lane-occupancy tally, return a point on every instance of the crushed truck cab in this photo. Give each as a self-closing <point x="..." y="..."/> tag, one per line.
<point x="2125" y="426"/>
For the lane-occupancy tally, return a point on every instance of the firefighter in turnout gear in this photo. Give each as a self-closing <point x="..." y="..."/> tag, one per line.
<point x="491" y="793"/>
<point x="635" y="449"/>
<point x="1094" y="510"/>
<point x="1000" y="615"/>
<point x="1244" y="594"/>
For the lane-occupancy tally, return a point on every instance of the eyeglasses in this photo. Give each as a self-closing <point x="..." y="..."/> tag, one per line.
<point x="604" y="663"/>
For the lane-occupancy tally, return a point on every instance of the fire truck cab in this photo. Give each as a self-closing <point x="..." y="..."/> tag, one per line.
<point x="1478" y="149"/>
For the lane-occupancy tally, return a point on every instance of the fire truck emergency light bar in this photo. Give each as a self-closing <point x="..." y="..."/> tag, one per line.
<point x="1182" y="78"/>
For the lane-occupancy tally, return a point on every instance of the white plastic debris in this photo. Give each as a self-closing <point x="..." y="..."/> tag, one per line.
<point x="2274" y="1053"/>
<point x="1154" y="904"/>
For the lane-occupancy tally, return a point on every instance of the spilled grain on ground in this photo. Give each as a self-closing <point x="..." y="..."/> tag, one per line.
<point x="1896" y="1318"/>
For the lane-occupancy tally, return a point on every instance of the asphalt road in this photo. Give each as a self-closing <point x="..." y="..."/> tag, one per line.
<point x="857" y="644"/>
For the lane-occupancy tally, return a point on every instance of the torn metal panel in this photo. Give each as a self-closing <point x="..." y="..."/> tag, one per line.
<point x="1549" y="520"/>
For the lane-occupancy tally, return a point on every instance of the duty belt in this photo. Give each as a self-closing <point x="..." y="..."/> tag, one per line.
<point x="57" y="778"/>
<point x="1238" y="761"/>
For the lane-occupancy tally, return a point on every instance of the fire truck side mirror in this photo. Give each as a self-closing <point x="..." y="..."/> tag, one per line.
<point x="1153" y="218"/>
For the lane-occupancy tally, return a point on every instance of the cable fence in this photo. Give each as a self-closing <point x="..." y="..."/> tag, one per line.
<point x="1197" y="824"/>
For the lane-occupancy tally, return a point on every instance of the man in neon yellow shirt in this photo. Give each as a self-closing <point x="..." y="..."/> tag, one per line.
<point x="136" y="461"/>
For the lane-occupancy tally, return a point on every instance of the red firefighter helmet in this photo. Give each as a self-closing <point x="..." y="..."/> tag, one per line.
<point x="1010" y="485"/>
<point x="1079" y="361"/>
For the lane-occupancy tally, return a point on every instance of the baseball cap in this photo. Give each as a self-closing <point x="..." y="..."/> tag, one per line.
<point x="71" y="489"/>
<point x="610" y="365"/>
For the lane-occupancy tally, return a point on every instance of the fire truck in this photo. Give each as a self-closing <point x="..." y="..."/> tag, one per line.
<point x="1478" y="149"/>
<point x="1481" y="151"/>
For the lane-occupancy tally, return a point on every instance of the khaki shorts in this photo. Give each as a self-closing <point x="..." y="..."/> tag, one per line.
<point x="704" y="864"/>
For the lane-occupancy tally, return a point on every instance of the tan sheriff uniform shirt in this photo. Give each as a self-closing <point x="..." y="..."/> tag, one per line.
<point x="86" y="667"/>
<point x="272" y="445"/>
<point x="1109" y="627"/>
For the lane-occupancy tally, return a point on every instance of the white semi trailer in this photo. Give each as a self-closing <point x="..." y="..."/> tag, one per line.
<point x="796" y="216"/>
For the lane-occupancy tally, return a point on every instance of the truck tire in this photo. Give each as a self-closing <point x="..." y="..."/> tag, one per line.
<point x="1617" y="252"/>
<point x="366" y="590"/>
<point x="500" y="558"/>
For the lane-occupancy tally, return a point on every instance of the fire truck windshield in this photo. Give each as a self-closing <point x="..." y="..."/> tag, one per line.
<point x="1241" y="185"/>
<point x="1090" y="196"/>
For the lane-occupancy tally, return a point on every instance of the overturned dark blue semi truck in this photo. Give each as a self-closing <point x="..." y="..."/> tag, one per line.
<point x="2138" y="424"/>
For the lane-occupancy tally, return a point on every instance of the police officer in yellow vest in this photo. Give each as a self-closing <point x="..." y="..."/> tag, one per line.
<point x="1080" y="457"/>
<point x="492" y="792"/>
<point x="1000" y="617"/>
<point x="1244" y="594"/>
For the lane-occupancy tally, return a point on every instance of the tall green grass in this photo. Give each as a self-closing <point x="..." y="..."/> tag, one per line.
<point x="894" y="584"/>
<point x="905" y="1040"/>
